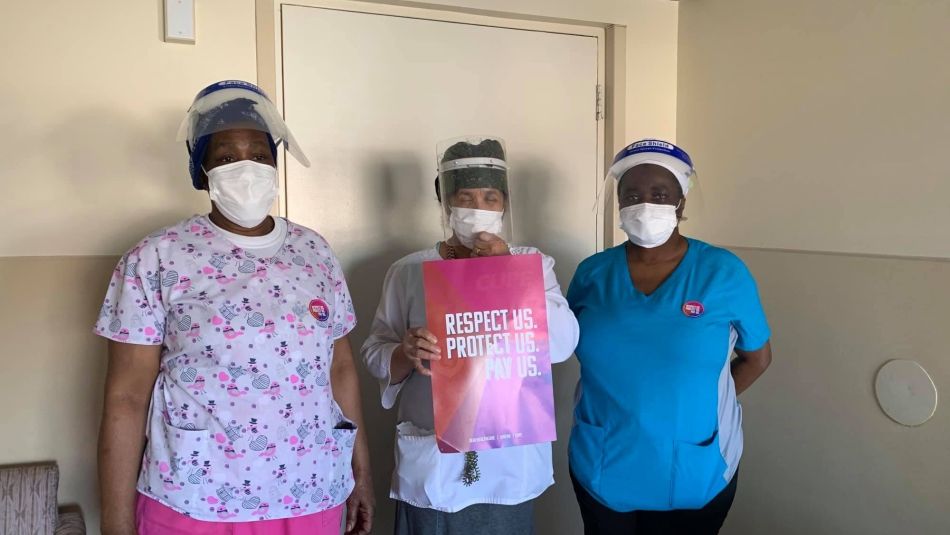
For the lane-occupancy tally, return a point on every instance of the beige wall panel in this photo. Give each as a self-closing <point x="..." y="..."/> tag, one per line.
<point x="54" y="369"/>
<point x="821" y="457"/>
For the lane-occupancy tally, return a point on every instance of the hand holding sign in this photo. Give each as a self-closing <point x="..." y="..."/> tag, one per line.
<point x="419" y="344"/>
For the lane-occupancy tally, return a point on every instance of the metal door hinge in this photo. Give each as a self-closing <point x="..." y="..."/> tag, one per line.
<point x="599" y="113"/>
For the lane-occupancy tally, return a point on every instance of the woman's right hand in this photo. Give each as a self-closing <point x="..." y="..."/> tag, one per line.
<point x="418" y="345"/>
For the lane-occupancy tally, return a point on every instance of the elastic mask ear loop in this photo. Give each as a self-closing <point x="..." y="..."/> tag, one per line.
<point x="207" y="179"/>
<point x="681" y="218"/>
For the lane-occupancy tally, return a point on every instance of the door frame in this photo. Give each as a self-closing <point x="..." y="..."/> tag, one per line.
<point x="611" y="70"/>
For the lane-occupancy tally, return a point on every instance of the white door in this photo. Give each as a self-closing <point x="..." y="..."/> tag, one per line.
<point x="370" y="95"/>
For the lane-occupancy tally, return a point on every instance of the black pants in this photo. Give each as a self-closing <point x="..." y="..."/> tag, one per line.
<point x="601" y="520"/>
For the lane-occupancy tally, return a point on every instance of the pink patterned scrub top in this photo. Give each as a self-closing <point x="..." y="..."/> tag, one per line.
<point x="242" y="424"/>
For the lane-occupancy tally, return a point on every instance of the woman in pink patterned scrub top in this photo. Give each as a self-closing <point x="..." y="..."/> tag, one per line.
<point x="228" y="346"/>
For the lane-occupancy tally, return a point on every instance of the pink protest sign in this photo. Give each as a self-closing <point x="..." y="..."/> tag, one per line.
<point x="492" y="388"/>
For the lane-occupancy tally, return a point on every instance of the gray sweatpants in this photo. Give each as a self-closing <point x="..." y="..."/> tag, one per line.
<point x="478" y="519"/>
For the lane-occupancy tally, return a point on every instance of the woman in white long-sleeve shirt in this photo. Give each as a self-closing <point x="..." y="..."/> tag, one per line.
<point x="439" y="493"/>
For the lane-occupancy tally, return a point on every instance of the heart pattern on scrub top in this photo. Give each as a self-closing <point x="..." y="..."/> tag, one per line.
<point x="170" y="278"/>
<point x="261" y="382"/>
<point x="259" y="443"/>
<point x="188" y="375"/>
<point x="255" y="320"/>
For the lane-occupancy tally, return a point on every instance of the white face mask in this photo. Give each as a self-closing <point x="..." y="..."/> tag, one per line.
<point x="649" y="225"/>
<point x="468" y="222"/>
<point x="243" y="191"/>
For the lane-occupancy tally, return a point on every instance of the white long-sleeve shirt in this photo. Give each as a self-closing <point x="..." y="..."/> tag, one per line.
<point x="424" y="477"/>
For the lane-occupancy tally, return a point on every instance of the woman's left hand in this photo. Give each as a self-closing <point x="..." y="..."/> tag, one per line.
<point x="360" y="506"/>
<point x="488" y="244"/>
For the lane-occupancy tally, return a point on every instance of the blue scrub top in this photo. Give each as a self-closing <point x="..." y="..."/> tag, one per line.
<point x="657" y="425"/>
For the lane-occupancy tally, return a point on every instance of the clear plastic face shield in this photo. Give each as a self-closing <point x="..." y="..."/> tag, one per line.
<point x="234" y="104"/>
<point x="473" y="189"/>
<point x="655" y="152"/>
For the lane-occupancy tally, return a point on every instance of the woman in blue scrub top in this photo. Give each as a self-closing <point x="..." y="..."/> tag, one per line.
<point x="657" y="432"/>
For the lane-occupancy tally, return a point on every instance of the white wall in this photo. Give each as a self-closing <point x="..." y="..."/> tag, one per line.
<point x="92" y="100"/>
<point x="819" y="125"/>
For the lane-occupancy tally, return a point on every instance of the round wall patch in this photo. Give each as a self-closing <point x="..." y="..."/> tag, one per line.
<point x="693" y="309"/>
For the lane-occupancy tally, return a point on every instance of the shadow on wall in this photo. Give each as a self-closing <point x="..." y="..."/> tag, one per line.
<point x="103" y="162"/>
<point x="404" y="215"/>
<point x="536" y="215"/>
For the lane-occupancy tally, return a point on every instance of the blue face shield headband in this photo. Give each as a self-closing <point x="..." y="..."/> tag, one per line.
<point x="656" y="152"/>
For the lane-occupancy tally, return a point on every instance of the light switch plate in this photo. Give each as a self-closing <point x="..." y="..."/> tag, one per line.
<point x="180" y="21"/>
